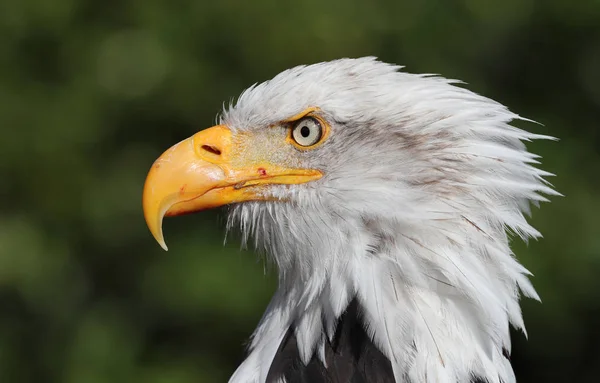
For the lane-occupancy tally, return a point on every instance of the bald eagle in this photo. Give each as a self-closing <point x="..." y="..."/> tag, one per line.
<point x="387" y="201"/>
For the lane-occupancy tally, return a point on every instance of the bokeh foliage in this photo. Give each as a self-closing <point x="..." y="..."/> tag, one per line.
<point x="91" y="92"/>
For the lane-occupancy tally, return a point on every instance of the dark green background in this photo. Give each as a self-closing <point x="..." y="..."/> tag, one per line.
<point x="91" y="92"/>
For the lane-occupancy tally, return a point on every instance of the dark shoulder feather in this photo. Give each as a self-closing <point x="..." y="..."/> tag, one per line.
<point x="351" y="357"/>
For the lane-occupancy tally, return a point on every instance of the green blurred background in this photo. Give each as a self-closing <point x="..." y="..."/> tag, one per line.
<point x="91" y="92"/>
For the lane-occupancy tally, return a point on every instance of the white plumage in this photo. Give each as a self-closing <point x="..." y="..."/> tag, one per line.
<point x="423" y="182"/>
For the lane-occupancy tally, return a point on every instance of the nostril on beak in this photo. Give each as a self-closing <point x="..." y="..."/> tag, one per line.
<point x="212" y="149"/>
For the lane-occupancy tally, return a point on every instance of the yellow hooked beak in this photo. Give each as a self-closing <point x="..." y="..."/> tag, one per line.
<point x="198" y="174"/>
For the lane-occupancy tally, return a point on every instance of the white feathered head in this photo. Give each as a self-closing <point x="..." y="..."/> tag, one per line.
<point x="363" y="183"/>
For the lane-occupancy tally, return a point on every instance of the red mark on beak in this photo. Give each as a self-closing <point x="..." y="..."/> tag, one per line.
<point x="182" y="189"/>
<point x="262" y="172"/>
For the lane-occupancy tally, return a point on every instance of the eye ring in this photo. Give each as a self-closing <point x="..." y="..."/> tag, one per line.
<point x="306" y="132"/>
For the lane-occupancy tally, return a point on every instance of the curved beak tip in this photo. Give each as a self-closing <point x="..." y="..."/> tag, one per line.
<point x="154" y="222"/>
<point x="162" y="244"/>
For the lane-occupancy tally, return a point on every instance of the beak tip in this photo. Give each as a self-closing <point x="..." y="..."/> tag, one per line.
<point x="163" y="245"/>
<point x="158" y="236"/>
<point x="155" y="227"/>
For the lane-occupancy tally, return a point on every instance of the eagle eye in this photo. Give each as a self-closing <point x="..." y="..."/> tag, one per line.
<point x="307" y="131"/>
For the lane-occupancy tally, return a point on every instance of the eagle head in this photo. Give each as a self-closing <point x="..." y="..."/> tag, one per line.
<point x="386" y="199"/>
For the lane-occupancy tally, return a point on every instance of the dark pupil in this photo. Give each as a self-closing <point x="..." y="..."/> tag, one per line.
<point x="305" y="131"/>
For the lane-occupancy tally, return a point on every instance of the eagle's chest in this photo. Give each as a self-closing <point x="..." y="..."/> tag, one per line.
<point x="351" y="357"/>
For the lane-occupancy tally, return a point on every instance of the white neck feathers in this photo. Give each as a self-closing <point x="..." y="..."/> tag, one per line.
<point x="437" y="302"/>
